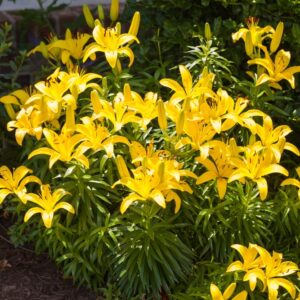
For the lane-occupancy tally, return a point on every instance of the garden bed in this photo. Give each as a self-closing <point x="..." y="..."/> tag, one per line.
<point x="26" y="275"/>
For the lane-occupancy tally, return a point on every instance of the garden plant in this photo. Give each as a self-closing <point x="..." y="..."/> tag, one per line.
<point x="143" y="176"/>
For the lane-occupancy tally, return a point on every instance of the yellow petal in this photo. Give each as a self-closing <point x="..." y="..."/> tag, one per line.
<point x="282" y="60"/>
<point x="128" y="52"/>
<point x="292" y="148"/>
<point x="241" y="296"/>
<point x="158" y="197"/>
<point x="47" y="218"/>
<point x="9" y="99"/>
<point x="10" y="111"/>
<point x="66" y="206"/>
<point x="286" y="284"/>
<point x="252" y="276"/>
<point x="215" y="292"/>
<point x="172" y="84"/>
<point x="262" y="79"/>
<point x="3" y="194"/>
<point x="229" y="291"/>
<point x="216" y="124"/>
<point x="241" y="249"/>
<point x="128" y="200"/>
<point x="40" y="151"/>
<point x="235" y="266"/>
<point x="20" y="134"/>
<point x="173" y="196"/>
<point x="91" y="50"/>
<point x="31" y="212"/>
<point x="291" y="181"/>
<point x="207" y="176"/>
<point x="186" y="77"/>
<point x="272" y="290"/>
<point x="262" y="62"/>
<point x="53" y="159"/>
<point x="274" y="168"/>
<point x="262" y="188"/>
<point x="29" y="179"/>
<point x="111" y="57"/>
<point x="221" y="186"/>
<point x="19" y="173"/>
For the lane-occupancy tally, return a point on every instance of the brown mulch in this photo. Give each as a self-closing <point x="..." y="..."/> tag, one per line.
<point x="25" y="275"/>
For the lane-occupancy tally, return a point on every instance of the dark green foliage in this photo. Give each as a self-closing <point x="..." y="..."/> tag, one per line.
<point x="151" y="257"/>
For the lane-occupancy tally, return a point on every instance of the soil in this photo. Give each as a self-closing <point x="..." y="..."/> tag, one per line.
<point x="25" y="275"/>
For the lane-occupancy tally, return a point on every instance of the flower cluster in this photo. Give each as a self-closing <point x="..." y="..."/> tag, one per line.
<point x="260" y="268"/>
<point x="270" y="71"/>
<point x="15" y="183"/>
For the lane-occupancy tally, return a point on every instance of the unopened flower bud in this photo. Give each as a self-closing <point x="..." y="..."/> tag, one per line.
<point x="135" y="24"/>
<point x="207" y="31"/>
<point x="100" y="12"/>
<point x="114" y="10"/>
<point x="276" y="39"/>
<point x="180" y="123"/>
<point x="122" y="167"/>
<point x="249" y="44"/>
<point x="162" y="118"/>
<point x="88" y="16"/>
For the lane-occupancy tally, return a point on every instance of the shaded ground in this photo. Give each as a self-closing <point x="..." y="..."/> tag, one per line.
<point x="25" y="275"/>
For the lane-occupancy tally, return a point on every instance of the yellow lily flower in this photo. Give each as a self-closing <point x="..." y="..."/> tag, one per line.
<point x="62" y="148"/>
<point x="274" y="138"/>
<point x="146" y="107"/>
<point x="187" y="90"/>
<point x="15" y="182"/>
<point x="251" y="259"/>
<point x="49" y="204"/>
<point x="257" y="34"/>
<point x="53" y="92"/>
<point x="112" y="43"/>
<point x="97" y="137"/>
<point x="219" y="168"/>
<point x="199" y="134"/>
<point x="244" y="119"/>
<point x="216" y="294"/>
<point x="267" y="268"/>
<point x="155" y="179"/>
<point x="214" y="110"/>
<point x="17" y="98"/>
<point x="277" y="70"/>
<point x="79" y="81"/>
<point x="47" y="50"/>
<point x="27" y="122"/>
<point x="293" y="181"/>
<point x="116" y="112"/>
<point x="274" y="269"/>
<point x="71" y="47"/>
<point x="139" y="153"/>
<point x="255" y="165"/>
